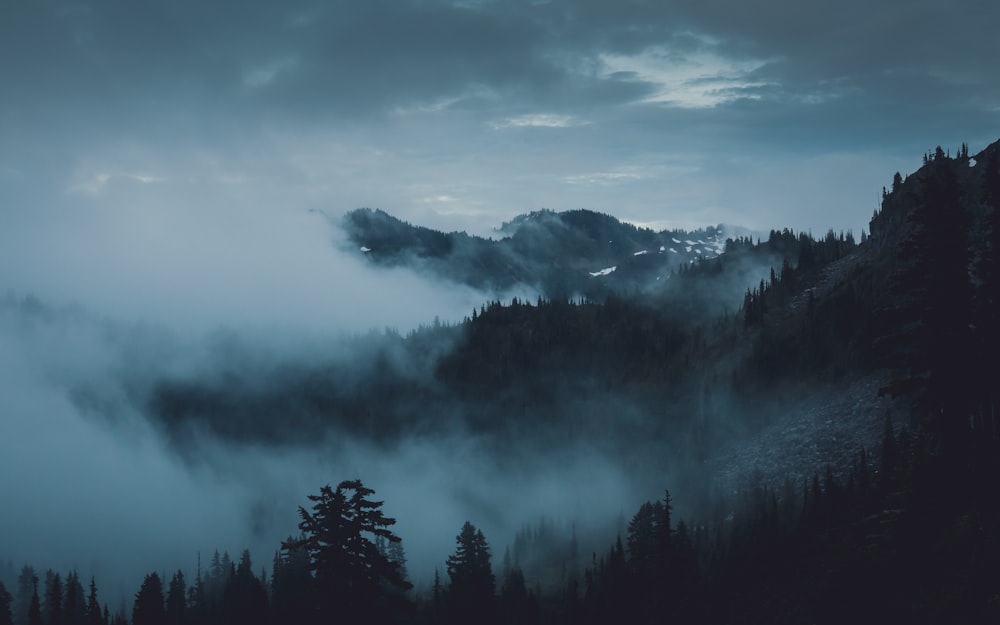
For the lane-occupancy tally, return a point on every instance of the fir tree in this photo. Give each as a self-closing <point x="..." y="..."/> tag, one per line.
<point x="74" y="605"/>
<point x="94" y="615"/>
<point x="53" y="604"/>
<point x="6" y="602"/>
<point x="148" y="608"/>
<point x="27" y="583"/>
<point x="34" y="607"/>
<point x="351" y="576"/>
<point x="176" y="599"/>
<point x="472" y="590"/>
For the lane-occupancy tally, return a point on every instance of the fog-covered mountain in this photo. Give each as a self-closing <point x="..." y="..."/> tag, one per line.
<point x="568" y="253"/>
<point x="821" y="409"/>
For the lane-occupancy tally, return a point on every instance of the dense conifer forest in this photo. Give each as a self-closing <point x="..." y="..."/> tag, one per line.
<point x="903" y="529"/>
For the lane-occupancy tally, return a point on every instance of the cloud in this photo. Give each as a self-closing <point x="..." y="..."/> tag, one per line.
<point x="541" y="120"/>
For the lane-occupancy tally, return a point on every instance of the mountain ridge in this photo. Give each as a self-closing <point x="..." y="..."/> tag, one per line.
<point x="568" y="253"/>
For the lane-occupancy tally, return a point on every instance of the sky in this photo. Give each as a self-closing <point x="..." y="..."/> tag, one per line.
<point x="178" y="166"/>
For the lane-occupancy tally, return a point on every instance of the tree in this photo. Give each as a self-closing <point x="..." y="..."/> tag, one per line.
<point x="6" y="617"/>
<point x="52" y="607"/>
<point x="35" y="606"/>
<point x="148" y="608"/>
<point x="74" y="607"/>
<point x="641" y="539"/>
<point x="352" y="579"/>
<point x="472" y="590"/>
<point x="176" y="599"/>
<point x="27" y="586"/>
<point x="94" y="614"/>
<point x="245" y="598"/>
<point x="291" y="583"/>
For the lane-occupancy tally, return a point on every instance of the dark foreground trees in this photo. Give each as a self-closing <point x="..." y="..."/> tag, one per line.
<point x="471" y="596"/>
<point x="354" y="581"/>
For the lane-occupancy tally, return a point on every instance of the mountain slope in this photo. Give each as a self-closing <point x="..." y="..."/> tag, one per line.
<point x="556" y="254"/>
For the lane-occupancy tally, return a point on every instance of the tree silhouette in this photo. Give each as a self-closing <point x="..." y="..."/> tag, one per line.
<point x="244" y="598"/>
<point x="352" y="579"/>
<point x="52" y="607"/>
<point x="176" y="599"/>
<point x="94" y="615"/>
<point x="472" y="590"/>
<point x="35" y="607"/>
<point x="6" y="617"/>
<point x="148" y="608"/>
<point x="74" y="606"/>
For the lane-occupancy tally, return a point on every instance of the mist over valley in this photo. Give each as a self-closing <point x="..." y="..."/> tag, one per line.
<point x="449" y="312"/>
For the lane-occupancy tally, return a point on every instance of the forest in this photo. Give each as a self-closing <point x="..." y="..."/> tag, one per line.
<point x="902" y="528"/>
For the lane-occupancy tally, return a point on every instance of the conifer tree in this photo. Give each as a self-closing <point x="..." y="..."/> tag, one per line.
<point x="94" y="614"/>
<point x="74" y="605"/>
<point x="351" y="576"/>
<point x="52" y="606"/>
<point x="176" y="599"/>
<point x="27" y="582"/>
<point x="472" y="590"/>
<point x="148" y="608"/>
<point x="6" y="602"/>
<point x="34" y="607"/>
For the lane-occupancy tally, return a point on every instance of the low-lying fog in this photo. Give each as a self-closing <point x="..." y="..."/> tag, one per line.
<point x="90" y="481"/>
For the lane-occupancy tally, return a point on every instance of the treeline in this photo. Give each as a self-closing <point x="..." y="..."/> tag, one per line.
<point x="884" y="540"/>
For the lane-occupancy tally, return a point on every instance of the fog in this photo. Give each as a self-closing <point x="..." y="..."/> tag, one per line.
<point x="125" y="279"/>
<point x="96" y="484"/>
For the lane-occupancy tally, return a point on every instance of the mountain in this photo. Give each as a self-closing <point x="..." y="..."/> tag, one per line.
<point x="823" y="411"/>
<point x="556" y="254"/>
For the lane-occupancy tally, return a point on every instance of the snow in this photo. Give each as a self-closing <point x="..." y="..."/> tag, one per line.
<point x="641" y="253"/>
<point x="365" y="249"/>
<point x="602" y="272"/>
<point x="663" y="249"/>
<point x="674" y="251"/>
<point x="675" y="240"/>
<point x="688" y="249"/>
<point x="689" y="242"/>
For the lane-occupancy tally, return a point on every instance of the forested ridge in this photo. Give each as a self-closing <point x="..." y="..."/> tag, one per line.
<point x="906" y="530"/>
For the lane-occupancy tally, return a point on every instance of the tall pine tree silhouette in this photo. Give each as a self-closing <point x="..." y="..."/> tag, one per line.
<point x="472" y="592"/>
<point x="352" y="578"/>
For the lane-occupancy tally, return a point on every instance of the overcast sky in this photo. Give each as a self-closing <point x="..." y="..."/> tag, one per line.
<point x="461" y="114"/>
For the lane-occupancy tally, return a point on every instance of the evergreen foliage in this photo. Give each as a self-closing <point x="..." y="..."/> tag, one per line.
<point x="472" y="589"/>
<point x="148" y="608"/>
<point x="6" y="603"/>
<point x="351" y="577"/>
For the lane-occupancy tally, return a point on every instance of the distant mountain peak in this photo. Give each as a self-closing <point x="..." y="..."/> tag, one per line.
<point x="554" y="253"/>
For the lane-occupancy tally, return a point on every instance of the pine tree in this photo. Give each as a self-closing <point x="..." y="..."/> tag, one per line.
<point x="6" y="601"/>
<point x="74" y="605"/>
<point x="94" y="615"/>
<point x="472" y="590"/>
<point x="148" y="608"/>
<point x="52" y="607"/>
<point x="291" y="583"/>
<point x="27" y="582"/>
<point x="176" y="599"/>
<point x="351" y="576"/>
<point x="244" y="598"/>
<point x="34" y="607"/>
